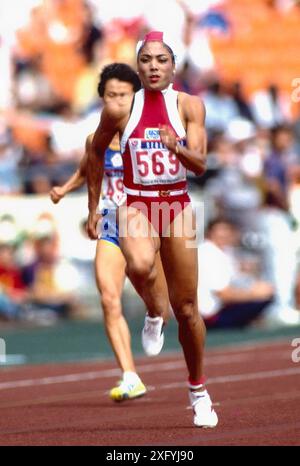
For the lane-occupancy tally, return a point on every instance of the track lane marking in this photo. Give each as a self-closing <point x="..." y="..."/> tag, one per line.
<point x="108" y="373"/>
<point x="211" y="381"/>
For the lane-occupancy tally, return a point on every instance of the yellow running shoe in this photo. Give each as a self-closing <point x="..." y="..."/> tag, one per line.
<point x="127" y="391"/>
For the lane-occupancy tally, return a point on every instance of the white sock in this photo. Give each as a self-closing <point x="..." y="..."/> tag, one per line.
<point x="154" y="319"/>
<point x="130" y="377"/>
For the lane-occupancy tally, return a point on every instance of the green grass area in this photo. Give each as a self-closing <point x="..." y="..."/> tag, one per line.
<point x="82" y="340"/>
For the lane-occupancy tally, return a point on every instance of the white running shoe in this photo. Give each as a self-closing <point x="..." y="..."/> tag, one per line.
<point x="152" y="335"/>
<point x="204" y="415"/>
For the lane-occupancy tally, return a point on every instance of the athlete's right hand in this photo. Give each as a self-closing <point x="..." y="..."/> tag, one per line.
<point x="56" y="194"/>
<point x="92" y="225"/>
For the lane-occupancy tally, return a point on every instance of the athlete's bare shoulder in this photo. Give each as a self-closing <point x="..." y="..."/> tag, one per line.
<point x="190" y="102"/>
<point x="191" y="106"/>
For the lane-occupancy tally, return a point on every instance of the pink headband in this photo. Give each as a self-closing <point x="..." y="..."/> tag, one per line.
<point x="157" y="36"/>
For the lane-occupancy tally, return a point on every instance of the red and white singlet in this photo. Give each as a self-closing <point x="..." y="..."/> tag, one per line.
<point x="150" y="169"/>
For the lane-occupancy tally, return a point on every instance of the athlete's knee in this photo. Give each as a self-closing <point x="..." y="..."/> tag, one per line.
<point x="140" y="267"/>
<point x="186" y="310"/>
<point x="111" y="303"/>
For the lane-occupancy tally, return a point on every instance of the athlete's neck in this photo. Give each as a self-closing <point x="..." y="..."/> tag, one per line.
<point x="163" y="91"/>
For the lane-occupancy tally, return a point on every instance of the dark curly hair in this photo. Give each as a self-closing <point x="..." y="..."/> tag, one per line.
<point x="119" y="71"/>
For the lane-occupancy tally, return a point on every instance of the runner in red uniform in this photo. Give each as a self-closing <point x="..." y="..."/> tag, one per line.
<point x="162" y="134"/>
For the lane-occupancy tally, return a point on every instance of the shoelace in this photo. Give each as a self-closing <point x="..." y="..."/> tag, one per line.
<point x="127" y="387"/>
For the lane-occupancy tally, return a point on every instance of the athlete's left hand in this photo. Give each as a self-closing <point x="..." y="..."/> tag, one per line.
<point x="168" y="137"/>
<point x="92" y="225"/>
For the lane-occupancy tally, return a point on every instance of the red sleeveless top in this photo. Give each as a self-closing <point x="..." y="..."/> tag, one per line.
<point x="148" y="164"/>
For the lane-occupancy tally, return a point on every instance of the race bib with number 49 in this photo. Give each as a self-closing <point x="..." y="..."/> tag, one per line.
<point x="153" y="163"/>
<point x="113" y="188"/>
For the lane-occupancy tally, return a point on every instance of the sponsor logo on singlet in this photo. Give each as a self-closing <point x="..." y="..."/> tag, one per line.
<point x="116" y="160"/>
<point x="152" y="133"/>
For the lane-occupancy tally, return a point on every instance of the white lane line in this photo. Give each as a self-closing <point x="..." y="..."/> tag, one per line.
<point x="165" y="366"/>
<point x="213" y="380"/>
<point x="256" y="375"/>
<point x="240" y="377"/>
<point x="92" y="375"/>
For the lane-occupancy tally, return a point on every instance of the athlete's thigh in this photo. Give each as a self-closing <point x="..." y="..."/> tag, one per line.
<point x="180" y="259"/>
<point x="137" y="237"/>
<point x="109" y="266"/>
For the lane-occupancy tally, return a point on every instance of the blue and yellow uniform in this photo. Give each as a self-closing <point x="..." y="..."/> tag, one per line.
<point x="112" y="192"/>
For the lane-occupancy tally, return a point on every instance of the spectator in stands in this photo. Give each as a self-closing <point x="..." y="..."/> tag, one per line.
<point x="91" y="35"/>
<point x="12" y="288"/>
<point x="10" y="156"/>
<point x="270" y="107"/>
<point x="221" y="108"/>
<point x="51" y="281"/>
<point x="67" y="134"/>
<point x="228" y="297"/>
<point x="184" y="81"/>
<point x="233" y="191"/>
<point x="43" y="169"/>
<point x="279" y="257"/>
<point x="282" y="160"/>
<point x="296" y="130"/>
<point x="243" y="106"/>
<point x="32" y="89"/>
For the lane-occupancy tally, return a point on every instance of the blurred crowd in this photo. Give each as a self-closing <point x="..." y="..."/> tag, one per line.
<point x="52" y="52"/>
<point x="38" y="284"/>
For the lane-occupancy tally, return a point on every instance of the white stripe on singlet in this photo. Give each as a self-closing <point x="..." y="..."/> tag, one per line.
<point x="134" y="118"/>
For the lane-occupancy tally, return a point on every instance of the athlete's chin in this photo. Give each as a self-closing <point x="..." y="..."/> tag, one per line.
<point x="156" y="85"/>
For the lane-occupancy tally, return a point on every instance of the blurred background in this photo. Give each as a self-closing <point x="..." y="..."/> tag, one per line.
<point x="240" y="56"/>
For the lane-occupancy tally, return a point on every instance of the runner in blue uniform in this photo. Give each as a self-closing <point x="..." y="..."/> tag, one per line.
<point x="118" y="82"/>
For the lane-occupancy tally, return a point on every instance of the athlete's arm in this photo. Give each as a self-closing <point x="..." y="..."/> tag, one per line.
<point x="260" y="290"/>
<point x="75" y="181"/>
<point x="110" y="123"/>
<point x="193" y="156"/>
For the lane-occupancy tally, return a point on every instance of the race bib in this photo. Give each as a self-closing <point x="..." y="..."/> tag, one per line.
<point x="153" y="163"/>
<point x="113" y="188"/>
